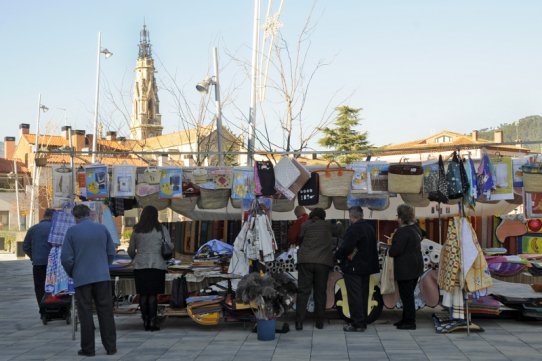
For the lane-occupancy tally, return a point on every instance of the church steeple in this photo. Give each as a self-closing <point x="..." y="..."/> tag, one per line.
<point x="144" y="43"/>
<point x="146" y="118"/>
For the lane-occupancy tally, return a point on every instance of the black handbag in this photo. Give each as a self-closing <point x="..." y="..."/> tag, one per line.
<point x="455" y="178"/>
<point x="309" y="194"/>
<point x="440" y="194"/>
<point x="165" y="249"/>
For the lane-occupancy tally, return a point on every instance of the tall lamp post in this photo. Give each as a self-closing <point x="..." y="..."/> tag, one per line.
<point x="203" y="87"/>
<point x="254" y="76"/>
<point x="35" y="182"/>
<point x="107" y="54"/>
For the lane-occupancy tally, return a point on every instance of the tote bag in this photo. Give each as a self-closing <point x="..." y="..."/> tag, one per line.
<point x="405" y="178"/>
<point x="309" y="194"/>
<point x="440" y="194"/>
<point x="387" y="279"/>
<point x="335" y="181"/>
<point x="455" y="178"/>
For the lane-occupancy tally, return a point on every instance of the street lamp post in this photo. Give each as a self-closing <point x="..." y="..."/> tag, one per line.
<point x="35" y="177"/>
<point x="107" y="54"/>
<point x="203" y="87"/>
<point x="254" y="75"/>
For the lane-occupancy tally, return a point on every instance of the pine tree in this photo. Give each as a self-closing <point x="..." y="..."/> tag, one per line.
<point x="344" y="137"/>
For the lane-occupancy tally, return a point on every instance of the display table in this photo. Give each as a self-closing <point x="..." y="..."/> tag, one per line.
<point x="523" y="277"/>
<point x="125" y="285"/>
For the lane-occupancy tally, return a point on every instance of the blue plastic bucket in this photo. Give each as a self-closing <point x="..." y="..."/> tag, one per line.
<point x="266" y="330"/>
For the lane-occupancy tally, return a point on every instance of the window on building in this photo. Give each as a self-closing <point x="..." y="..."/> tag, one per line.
<point x="4" y="219"/>
<point x="443" y="139"/>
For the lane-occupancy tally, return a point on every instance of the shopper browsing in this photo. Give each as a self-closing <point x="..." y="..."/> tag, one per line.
<point x="37" y="247"/>
<point x="408" y="263"/>
<point x="87" y="252"/>
<point x="359" y="259"/>
<point x="314" y="260"/>
<point x="149" y="265"/>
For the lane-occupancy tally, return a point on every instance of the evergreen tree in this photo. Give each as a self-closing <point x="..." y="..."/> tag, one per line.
<point x="344" y="137"/>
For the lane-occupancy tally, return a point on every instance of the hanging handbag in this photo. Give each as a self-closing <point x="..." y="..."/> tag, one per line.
<point x="165" y="249"/>
<point x="309" y="194"/>
<point x="405" y="178"/>
<point x="335" y="181"/>
<point x="454" y="179"/>
<point x="264" y="178"/>
<point x="440" y="194"/>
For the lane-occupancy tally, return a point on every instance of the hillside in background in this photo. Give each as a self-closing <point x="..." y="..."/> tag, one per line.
<point x="525" y="129"/>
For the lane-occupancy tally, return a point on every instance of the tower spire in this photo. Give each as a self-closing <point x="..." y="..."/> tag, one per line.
<point x="144" y="43"/>
<point x="146" y="117"/>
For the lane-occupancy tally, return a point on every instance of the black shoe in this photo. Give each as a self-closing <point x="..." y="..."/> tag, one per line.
<point x="406" y="326"/>
<point x="112" y="352"/>
<point x="154" y="325"/>
<point x="400" y="322"/>
<point x="350" y="328"/>
<point x="85" y="353"/>
<point x="319" y="325"/>
<point x="298" y="325"/>
<point x="146" y="324"/>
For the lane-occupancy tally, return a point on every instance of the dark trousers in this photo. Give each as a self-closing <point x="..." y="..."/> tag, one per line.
<point x="100" y="293"/>
<point x="311" y="276"/>
<point x="406" y="292"/>
<point x="39" y="273"/>
<point x="357" y="289"/>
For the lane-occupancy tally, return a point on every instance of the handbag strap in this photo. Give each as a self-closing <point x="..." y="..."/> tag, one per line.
<point x="340" y="171"/>
<point x="162" y="231"/>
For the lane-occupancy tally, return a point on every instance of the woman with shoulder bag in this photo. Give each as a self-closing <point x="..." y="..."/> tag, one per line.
<point x="408" y="263"/>
<point x="149" y="265"/>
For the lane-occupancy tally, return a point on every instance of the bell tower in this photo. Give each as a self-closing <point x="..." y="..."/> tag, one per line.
<point x="146" y="118"/>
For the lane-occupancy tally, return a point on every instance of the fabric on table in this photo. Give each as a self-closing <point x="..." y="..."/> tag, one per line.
<point x="486" y="305"/>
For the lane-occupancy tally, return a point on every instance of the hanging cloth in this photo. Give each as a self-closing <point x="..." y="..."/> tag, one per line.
<point x="475" y="267"/>
<point x="109" y="223"/>
<point x="485" y="176"/>
<point x="56" y="279"/>
<point x="471" y="195"/>
<point x="450" y="260"/>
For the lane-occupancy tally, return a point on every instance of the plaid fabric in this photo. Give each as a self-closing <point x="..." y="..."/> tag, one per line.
<point x="60" y="224"/>
<point x="56" y="279"/>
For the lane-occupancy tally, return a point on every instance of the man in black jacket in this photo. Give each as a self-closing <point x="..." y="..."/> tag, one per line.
<point x="359" y="259"/>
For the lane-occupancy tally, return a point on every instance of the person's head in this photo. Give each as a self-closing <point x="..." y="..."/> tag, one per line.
<point x="355" y="213"/>
<point x="318" y="213"/>
<point x="48" y="213"/>
<point x="80" y="211"/>
<point x="406" y="214"/>
<point x="299" y="211"/>
<point x="148" y="220"/>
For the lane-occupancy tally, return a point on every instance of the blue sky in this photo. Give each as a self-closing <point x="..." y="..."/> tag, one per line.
<point x="415" y="67"/>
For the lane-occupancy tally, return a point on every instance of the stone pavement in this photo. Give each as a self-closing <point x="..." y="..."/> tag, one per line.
<point x="24" y="337"/>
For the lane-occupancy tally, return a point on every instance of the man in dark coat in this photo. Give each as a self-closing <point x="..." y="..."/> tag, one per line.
<point x="359" y="259"/>
<point x="36" y="246"/>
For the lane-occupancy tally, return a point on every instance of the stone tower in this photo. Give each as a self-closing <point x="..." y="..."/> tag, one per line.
<point x="146" y="118"/>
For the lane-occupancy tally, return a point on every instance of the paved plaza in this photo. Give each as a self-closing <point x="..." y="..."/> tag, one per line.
<point x="24" y="337"/>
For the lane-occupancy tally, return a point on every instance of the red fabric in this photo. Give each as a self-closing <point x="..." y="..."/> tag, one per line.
<point x="293" y="231"/>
